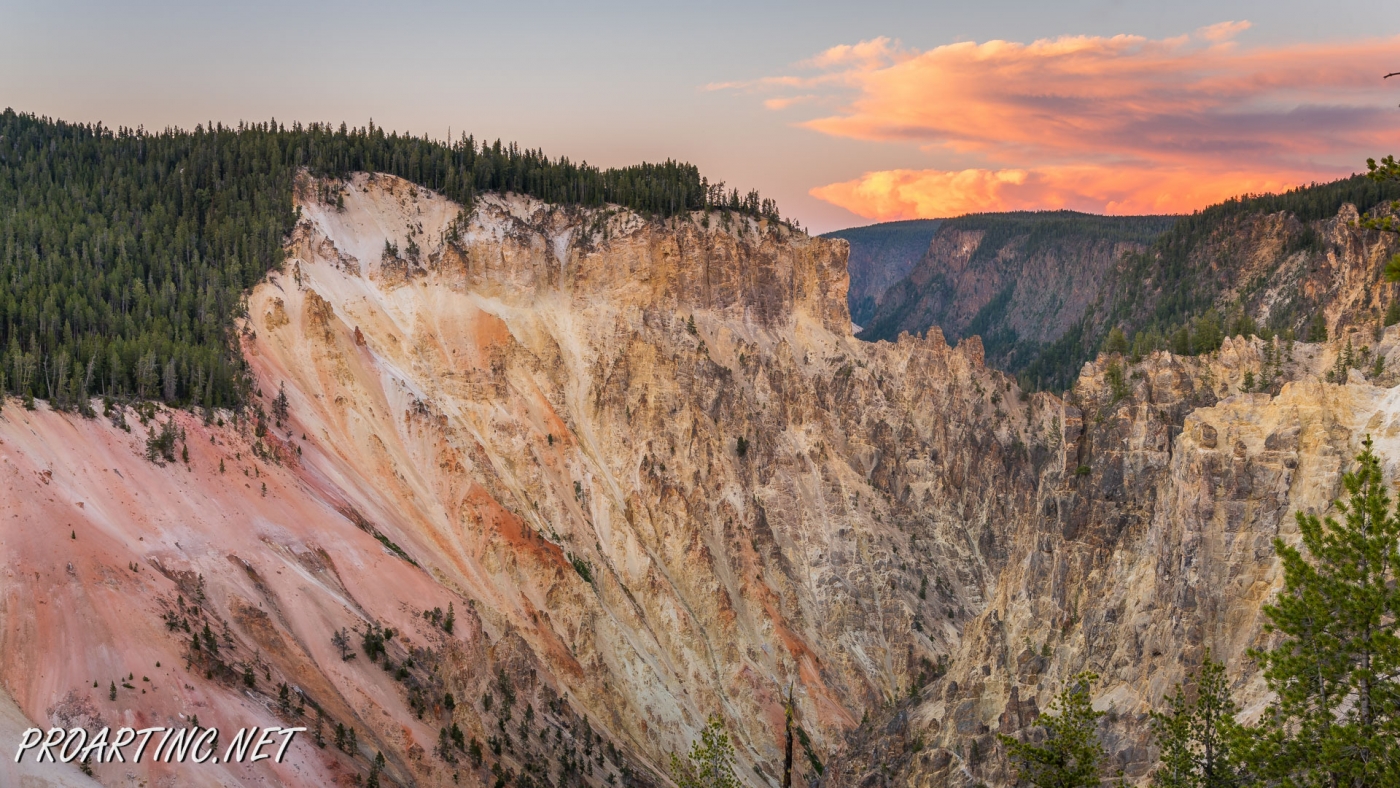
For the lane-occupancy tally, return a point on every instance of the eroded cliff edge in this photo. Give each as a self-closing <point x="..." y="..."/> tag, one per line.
<point x="658" y="480"/>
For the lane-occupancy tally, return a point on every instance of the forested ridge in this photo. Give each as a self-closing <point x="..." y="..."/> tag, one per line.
<point x="124" y="254"/>
<point x="1172" y="260"/>
<point x="1042" y="228"/>
<point x="1025" y="273"/>
<point x="1164" y="297"/>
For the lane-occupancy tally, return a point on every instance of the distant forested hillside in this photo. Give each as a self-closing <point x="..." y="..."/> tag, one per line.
<point x="1018" y="280"/>
<point x="1044" y="290"/>
<point x="882" y="254"/>
<point x="1259" y="264"/>
<point x="124" y="253"/>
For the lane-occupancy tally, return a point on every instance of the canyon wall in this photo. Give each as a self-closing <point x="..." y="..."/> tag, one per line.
<point x="647" y="464"/>
<point x="1151" y="546"/>
<point x="657" y="481"/>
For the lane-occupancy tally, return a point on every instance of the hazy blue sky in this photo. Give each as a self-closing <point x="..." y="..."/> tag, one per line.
<point x="615" y="83"/>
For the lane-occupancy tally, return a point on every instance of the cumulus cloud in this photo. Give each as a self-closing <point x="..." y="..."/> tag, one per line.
<point x="874" y="53"/>
<point x="1116" y="124"/>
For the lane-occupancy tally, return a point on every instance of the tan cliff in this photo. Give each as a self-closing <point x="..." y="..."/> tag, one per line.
<point x="1156" y="509"/>
<point x="657" y="480"/>
<point x="517" y="398"/>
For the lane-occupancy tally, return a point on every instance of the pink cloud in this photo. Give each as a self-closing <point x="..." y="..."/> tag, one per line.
<point x="866" y="54"/>
<point x="1087" y="120"/>
<point x="1222" y="31"/>
<point x="889" y="195"/>
<point x="783" y="102"/>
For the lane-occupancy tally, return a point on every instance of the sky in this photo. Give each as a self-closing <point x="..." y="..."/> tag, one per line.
<point x="846" y="113"/>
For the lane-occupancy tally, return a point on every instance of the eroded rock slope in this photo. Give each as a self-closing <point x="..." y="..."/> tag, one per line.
<point x="656" y="480"/>
<point x="648" y="466"/>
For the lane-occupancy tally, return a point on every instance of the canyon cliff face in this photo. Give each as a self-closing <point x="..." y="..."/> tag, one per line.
<point x="880" y="256"/>
<point x="1020" y="281"/>
<point x="1151" y="544"/>
<point x="657" y="481"/>
<point x="648" y="466"/>
<point x="1280" y="270"/>
<point x="1037" y="297"/>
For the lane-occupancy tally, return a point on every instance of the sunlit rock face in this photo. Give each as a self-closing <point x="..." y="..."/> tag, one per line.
<point x="645" y="462"/>
<point x="1149" y="545"/>
<point x="656" y="480"/>
<point x="678" y="408"/>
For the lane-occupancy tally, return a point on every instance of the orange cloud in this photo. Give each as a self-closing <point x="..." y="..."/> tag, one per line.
<point x="890" y="195"/>
<point x="867" y="54"/>
<point x="1115" y="124"/>
<point x="783" y="102"/>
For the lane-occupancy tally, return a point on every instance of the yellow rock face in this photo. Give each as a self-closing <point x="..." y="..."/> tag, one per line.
<point x="656" y="480"/>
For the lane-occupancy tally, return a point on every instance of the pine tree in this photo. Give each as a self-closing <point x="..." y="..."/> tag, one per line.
<point x="1317" y="329"/>
<point x="711" y="760"/>
<point x="1387" y="170"/>
<point x="279" y="405"/>
<point x="1194" y="734"/>
<point x="1181" y="341"/>
<point x="1072" y="756"/>
<point x="1116" y="342"/>
<point x="1336" y="672"/>
<point x="341" y="640"/>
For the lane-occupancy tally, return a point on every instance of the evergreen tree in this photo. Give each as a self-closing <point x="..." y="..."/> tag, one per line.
<point x="1317" y="329"/>
<point x="1072" y="756"/>
<point x="279" y="405"/>
<point x="711" y="760"/>
<point x="1336" y="672"/>
<point x="1208" y="334"/>
<point x="1194" y="734"/>
<point x="1388" y="170"/>
<point x="1181" y="341"/>
<point x="1117" y="342"/>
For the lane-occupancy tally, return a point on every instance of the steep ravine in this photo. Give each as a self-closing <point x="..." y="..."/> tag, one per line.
<point x="657" y="480"/>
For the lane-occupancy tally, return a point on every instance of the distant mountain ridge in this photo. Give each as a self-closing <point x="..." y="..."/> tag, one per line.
<point x="1043" y="290"/>
<point x="881" y="255"/>
<point x="1018" y="280"/>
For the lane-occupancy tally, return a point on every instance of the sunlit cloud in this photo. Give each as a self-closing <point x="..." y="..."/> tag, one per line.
<point x="874" y="53"/>
<point x="1222" y="31"/>
<point x="1115" y="124"/>
<point x="889" y="195"/>
<point x="783" y="102"/>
